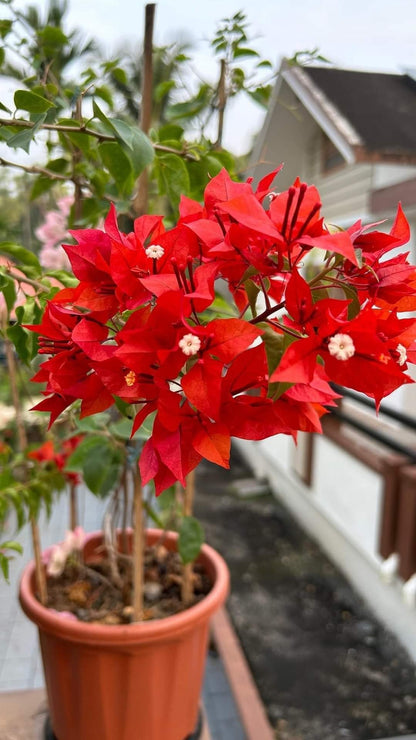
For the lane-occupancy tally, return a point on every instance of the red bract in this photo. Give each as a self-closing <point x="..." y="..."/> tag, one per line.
<point x="48" y="452"/>
<point x="232" y="323"/>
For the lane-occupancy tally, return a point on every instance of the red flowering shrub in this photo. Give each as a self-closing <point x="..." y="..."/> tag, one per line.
<point x="147" y="325"/>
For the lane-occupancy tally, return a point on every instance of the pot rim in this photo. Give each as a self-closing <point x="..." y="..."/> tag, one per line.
<point x="137" y="632"/>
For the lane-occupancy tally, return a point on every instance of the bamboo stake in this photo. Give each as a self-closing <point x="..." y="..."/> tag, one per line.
<point x="22" y="442"/>
<point x="138" y="548"/>
<point x="73" y="513"/>
<point x="141" y="198"/>
<point x="76" y="159"/>
<point x="124" y="484"/>
<point x="187" y="589"/>
<point x="222" y="101"/>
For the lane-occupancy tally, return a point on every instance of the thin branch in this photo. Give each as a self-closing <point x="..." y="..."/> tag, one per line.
<point x="63" y="128"/>
<point x="23" y="279"/>
<point x="187" y="590"/>
<point x="138" y="548"/>
<point x="34" y="170"/>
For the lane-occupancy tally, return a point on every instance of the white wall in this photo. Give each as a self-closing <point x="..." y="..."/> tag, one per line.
<point x="349" y="492"/>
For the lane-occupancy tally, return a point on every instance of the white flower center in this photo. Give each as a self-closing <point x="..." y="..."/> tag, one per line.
<point x="341" y="347"/>
<point x="155" y="251"/>
<point x="402" y="354"/>
<point x="190" y="344"/>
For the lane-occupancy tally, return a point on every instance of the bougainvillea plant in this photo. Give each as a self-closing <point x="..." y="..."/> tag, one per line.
<point x="233" y="323"/>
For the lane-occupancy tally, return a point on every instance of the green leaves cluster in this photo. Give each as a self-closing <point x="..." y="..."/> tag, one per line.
<point x="99" y="461"/>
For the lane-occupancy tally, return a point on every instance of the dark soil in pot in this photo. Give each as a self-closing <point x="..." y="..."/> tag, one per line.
<point x="89" y="594"/>
<point x="325" y="668"/>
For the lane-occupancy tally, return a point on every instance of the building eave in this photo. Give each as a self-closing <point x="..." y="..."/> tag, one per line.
<point x="338" y="129"/>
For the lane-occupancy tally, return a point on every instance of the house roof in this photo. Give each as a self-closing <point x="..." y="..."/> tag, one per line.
<point x="380" y="107"/>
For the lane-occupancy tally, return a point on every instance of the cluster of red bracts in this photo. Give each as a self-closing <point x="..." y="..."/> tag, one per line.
<point x="49" y="453"/>
<point x="144" y="323"/>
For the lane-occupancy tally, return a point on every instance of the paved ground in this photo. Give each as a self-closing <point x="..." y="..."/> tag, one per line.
<point x="325" y="668"/>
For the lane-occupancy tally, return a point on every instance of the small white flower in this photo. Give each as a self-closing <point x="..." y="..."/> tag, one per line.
<point x="155" y="251"/>
<point x="190" y="344"/>
<point x="341" y="347"/>
<point x="57" y="560"/>
<point x="74" y="540"/>
<point x="402" y="354"/>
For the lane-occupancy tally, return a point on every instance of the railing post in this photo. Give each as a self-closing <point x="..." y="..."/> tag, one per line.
<point x="406" y="523"/>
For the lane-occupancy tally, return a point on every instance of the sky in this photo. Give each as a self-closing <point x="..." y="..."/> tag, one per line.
<point x="377" y="35"/>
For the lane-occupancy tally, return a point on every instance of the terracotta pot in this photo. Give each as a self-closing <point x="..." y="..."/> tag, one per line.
<point x="130" y="682"/>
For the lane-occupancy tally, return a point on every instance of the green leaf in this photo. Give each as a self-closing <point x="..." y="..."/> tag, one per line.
<point x="23" y="139"/>
<point x="166" y="500"/>
<point x="242" y="52"/>
<point x="122" y="428"/>
<point x="191" y="538"/>
<point x="252" y="290"/>
<point x="4" y="107"/>
<point x="41" y="185"/>
<point x="32" y="102"/>
<point x="275" y="346"/>
<point x="52" y="37"/>
<point x="68" y="280"/>
<point x="101" y="472"/>
<point x="99" y="461"/>
<point x="12" y="545"/>
<point x="120" y="75"/>
<point x="22" y="342"/>
<point x="126" y="409"/>
<point x="170" y="131"/>
<point x="4" y="566"/>
<point x="192" y="107"/>
<point x="163" y="89"/>
<point x="21" y="255"/>
<point x="98" y="113"/>
<point x="174" y="177"/>
<point x="5" y="27"/>
<point x="261" y="94"/>
<point x="118" y="164"/>
<point x="85" y="449"/>
<point x="8" y="290"/>
<point x="104" y="93"/>
<point x="142" y="152"/>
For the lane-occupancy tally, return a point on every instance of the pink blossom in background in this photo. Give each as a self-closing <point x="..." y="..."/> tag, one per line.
<point x="52" y="233"/>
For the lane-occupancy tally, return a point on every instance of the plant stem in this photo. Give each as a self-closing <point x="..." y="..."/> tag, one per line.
<point x="82" y="129"/>
<point x="124" y="488"/>
<point x="76" y="159"/>
<point x="187" y="580"/>
<point x="23" y="279"/>
<point x="22" y="441"/>
<point x="34" y="170"/>
<point x="141" y="198"/>
<point x="73" y="517"/>
<point x="222" y="101"/>
<point x="138" y="548"/>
